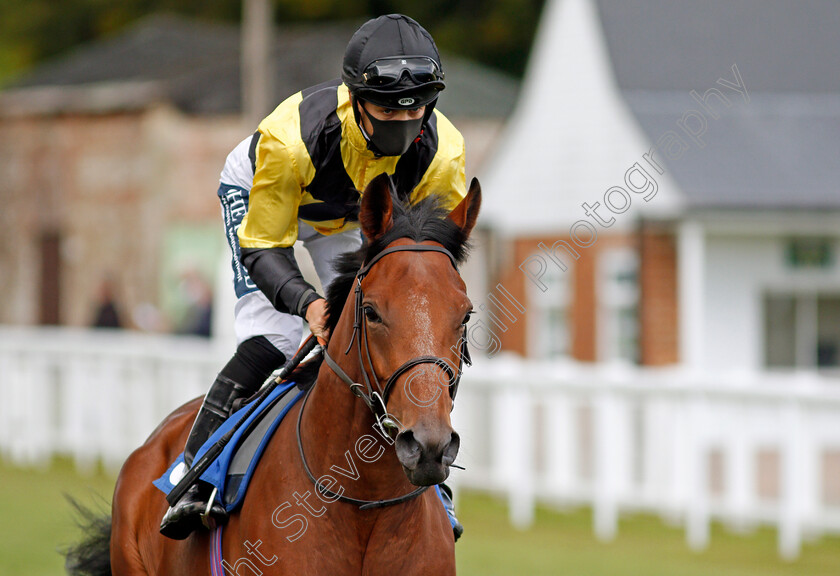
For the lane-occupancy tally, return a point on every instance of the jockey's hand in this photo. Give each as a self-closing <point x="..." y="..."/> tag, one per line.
<point x="316" y="317"/>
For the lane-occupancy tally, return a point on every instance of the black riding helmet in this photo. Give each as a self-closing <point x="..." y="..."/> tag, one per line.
<point x="391" y="61"/>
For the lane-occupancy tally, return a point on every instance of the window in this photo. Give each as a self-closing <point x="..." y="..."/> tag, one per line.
<point x="618" y="305"/>
<point x="802" y="331"/>
<point x="809" y="253"/>
<point x="549" y="321"/>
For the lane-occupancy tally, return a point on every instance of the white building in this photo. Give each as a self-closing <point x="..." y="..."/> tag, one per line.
<point x="725" y="238"/>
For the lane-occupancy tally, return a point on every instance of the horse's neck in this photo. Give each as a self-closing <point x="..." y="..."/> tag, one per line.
<point x="339" y="437"/>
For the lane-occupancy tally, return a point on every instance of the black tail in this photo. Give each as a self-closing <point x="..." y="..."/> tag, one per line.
<point x="91" y="556"/>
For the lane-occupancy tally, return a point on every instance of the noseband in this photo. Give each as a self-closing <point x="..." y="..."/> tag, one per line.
<point x="372" y="393"/>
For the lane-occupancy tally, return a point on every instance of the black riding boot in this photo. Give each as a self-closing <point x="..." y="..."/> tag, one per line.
<point x="254" y="361"/>
<point x="186" y="514"/>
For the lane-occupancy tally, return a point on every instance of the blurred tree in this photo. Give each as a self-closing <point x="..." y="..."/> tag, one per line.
<point x="498" y="33"/>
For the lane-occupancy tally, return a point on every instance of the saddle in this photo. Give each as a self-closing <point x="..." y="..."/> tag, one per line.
<point x="231" y="472"/>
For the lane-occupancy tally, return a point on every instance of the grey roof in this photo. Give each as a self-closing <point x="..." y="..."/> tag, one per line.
<point x="780" y="149"/>
<point x="198" y="65"/>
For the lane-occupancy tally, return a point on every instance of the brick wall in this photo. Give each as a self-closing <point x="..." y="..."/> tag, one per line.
<point x="111" y="186"/>
<point x="585" y="306"/>
<point x="108" y="185"/>
<point x="658" y="309"/>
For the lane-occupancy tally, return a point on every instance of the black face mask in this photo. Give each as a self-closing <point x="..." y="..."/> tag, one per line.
<point x="393" y="137"/>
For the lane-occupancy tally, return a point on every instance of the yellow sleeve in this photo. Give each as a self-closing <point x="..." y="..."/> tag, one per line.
<point x="272" y="218"/>
<point x="446" y="176"/>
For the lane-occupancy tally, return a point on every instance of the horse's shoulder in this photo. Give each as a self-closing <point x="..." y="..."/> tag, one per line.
<point x="399" y="538"/>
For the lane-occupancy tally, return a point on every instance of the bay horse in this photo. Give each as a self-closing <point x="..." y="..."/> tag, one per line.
<point x="340" y="488"/>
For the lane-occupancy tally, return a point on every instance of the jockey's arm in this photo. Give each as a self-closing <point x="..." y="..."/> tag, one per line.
<point x="276" y="273"/>
<point x="269" y="229"/>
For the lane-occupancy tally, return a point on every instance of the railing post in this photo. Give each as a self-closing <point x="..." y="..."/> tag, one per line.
<point x="518" y="451"/>
<point x="37" y="445"/>
<point x="740" y="471"/>
<point x="677" y="431"/>
<point x="697" y="505"/>
<point x="790" y="506"/>
<point x="8" y="376"/>
<point x="113" y="412"/>
<point x="559" y="431"/>
<point x="659" y="454"/>
<point x="605" y="506"/>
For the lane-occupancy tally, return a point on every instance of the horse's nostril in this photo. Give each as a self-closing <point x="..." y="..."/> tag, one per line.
<point x="451" y="450"/>
<point x="408" y="449"/>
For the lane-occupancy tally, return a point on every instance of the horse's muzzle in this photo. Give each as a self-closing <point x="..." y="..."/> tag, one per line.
<point x="426" y="457"/>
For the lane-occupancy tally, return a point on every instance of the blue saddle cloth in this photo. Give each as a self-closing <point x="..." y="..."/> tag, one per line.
<point x="232" y="470"/>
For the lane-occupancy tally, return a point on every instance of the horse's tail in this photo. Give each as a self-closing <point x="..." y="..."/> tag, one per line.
<point x="92" y="555"/>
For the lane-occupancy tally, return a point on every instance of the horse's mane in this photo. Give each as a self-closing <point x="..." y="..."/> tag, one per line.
<point x="423" y="221"/>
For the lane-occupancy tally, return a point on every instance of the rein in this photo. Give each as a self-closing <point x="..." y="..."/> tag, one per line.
<point x="370" y="393"/>
<point x="362" y="504"/>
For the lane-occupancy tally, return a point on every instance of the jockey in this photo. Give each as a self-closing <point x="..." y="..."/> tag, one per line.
<point x="298" y="178"/>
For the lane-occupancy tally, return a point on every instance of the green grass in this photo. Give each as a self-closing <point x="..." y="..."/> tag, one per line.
<point x="564" y="544"/>
<point x="38" y="523"/>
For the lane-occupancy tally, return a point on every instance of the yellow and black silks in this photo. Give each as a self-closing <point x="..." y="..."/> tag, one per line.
<point x="311" y="161"/>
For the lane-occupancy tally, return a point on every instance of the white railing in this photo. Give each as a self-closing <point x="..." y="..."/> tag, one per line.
<point x="746" y="449"/>
<point x="94" y="395"/>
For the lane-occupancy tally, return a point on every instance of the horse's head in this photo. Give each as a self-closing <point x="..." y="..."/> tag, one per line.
<point x="411" y="313"/>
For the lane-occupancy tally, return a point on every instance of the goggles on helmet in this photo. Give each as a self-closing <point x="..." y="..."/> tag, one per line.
<point x="387" y="72"/>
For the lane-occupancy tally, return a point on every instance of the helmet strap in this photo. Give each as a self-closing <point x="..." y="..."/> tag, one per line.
<point x="356" y="115"/>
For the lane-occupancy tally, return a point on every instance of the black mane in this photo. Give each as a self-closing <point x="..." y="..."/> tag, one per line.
<point x="424" y="221"/>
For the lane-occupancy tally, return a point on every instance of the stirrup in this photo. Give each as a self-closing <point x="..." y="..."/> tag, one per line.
<point x="206" y="519"/>
<point x="184" y="517"/>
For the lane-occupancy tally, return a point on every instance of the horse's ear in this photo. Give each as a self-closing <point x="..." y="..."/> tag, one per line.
<point x="376" y="213"/>
<point x="466" y="213"/>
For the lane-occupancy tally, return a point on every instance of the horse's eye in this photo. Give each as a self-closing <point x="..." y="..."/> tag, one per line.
<point x="371" y="315"/>
<point x="467" y="317"/>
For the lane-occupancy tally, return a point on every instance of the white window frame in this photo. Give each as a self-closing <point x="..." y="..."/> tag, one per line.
<point x="556" y="299"/>
<point x="615" y="298"/>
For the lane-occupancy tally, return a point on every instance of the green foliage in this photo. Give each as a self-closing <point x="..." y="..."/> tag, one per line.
<point x="498" y="33"/>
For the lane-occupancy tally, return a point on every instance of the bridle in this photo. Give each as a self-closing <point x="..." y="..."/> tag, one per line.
<point x="372" y="393"/>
